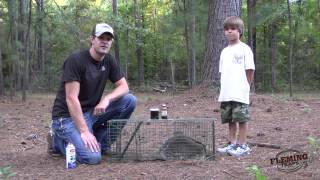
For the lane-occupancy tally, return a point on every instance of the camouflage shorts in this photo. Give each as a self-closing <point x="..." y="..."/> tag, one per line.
<point x="232" y="111"/>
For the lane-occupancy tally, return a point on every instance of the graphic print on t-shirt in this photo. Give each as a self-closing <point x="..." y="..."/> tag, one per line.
<point x="237" y="58"/>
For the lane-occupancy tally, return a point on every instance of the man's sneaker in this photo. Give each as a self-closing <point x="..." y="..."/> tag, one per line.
<point x="240" y="150"/>
<point x="51" y="151"/>
<point x="227" y="148"/>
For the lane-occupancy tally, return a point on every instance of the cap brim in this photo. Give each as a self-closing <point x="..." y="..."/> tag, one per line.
<point x="109" y="33"/>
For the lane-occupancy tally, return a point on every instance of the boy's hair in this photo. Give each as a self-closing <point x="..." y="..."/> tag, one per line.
<point x="235" y="22"/>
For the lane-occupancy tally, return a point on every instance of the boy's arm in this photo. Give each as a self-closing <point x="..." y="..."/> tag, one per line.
<point x="250" y="74"/>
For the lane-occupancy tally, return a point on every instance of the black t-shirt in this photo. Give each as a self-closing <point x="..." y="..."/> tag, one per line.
<point x="92" y="76"/>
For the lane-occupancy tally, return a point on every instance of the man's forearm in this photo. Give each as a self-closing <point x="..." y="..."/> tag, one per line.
<point x="120" y="90"/>
<point x="117" y="93"/>
<point x="76" y="114"/>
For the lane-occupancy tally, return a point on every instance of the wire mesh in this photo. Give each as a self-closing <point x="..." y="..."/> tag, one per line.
<point x="159" y="139"/>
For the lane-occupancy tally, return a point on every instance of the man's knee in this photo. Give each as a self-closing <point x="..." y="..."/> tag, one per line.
<point x="131" y="102"/>
<point x="90" y="158"/>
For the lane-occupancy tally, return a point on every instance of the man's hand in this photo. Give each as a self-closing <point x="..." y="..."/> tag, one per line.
<point x="90" y="141"/>
<point x="120" y="90"/>
<point x="101" y="107"/>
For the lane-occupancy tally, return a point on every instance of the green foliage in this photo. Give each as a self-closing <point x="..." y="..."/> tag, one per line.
<point x="313" y="141"/>
<point x="306" y="45"/>
<point x="67" y="25"/>
<point x="255" y="170"/>
<point x="268" y="13"/>
<point x="314" y="145"/>
<point x="5" y="172"/>
<point x="314" y="148"/>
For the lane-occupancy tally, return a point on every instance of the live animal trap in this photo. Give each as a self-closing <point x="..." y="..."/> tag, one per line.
<point x="141" y="140"/>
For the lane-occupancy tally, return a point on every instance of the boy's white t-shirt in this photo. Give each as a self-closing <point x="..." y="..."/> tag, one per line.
<point x="234" y="61"/>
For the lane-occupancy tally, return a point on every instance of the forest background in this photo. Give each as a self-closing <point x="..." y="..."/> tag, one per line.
<point x="173" y="43"/>
<point x="177" y="42"/>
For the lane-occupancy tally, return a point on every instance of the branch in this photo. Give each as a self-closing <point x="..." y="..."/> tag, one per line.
<point x="272" y="146"/>
<point x="224" y="171"/>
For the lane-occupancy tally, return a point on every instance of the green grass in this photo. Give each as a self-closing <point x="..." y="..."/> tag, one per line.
<point x="6" y="173"/>
<point x="314" y="145"/>
<point x="255" y="170"/>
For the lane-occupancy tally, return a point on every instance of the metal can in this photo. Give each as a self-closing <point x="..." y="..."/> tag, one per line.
<point x="154" y="113"/>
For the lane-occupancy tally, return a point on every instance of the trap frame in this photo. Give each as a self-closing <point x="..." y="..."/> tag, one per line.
<point x="161" y="139"/>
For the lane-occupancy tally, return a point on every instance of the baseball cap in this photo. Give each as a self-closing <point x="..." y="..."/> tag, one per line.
<point x="101" y="28"/>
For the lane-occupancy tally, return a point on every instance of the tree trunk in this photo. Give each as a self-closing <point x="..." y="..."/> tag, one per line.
<point x="274" y="51"/>
<point x="156" y="49"/>
<point x="295" y="64"/>
<point x="172" y="67"/>
<point x="273" y="57"/>
<point x="12" y="8"/>
<point x="219" y="10"/>
<point x="290" y="46"/>
<point x="127" y="52"/>
<point x="1" y="73"/>
<point x="24" y="51"/>
<point x="189" y="21"/>
<point x="186" y="35"/>
<point x="252" y="31"/>
<point x="139" y="50"/>
<point x="127" y="46"/>
<point x="264" y="57"/>
<point x="39" y="37"/>
<point x="192" y="43"/>
<point x="116" y="34"/>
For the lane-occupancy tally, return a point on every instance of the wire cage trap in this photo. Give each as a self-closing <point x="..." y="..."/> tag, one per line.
<point x="160" y="139"/>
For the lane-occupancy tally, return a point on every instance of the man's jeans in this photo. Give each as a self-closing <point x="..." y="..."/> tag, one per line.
<point x="65" y="129"/>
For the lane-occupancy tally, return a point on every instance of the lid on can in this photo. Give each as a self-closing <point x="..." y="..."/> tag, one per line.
<point x="154" y="109"/>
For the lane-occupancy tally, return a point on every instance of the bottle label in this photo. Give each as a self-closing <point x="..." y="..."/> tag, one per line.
<point x="164" y="115"/>
<point x="70" y="156"/>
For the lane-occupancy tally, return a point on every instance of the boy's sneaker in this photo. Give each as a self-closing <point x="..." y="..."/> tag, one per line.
<point x="227" y="148"/>
<point x="51" y="151"/>
<point x="240" y="150"/>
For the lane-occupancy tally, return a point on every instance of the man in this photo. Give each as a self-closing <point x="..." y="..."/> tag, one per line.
<point x="80" y="112"/>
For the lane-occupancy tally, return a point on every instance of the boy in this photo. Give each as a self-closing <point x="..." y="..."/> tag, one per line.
<point x="237" y="69"/>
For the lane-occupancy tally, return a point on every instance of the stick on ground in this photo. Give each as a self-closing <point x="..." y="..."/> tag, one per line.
<point x="272" y="146"/>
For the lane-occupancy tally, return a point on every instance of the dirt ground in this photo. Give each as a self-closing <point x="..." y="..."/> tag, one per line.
<point x="276" y="119"/>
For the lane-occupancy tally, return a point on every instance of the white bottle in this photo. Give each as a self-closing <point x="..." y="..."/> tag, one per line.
<point x="164" y="112"/>
<point x="70" y="156"/>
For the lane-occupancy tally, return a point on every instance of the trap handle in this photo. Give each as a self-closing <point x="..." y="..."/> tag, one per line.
<point x="131" y="138"/>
